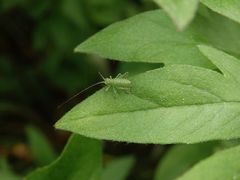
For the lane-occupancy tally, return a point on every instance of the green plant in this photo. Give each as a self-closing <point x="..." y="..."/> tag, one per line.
<point x="194" y="98"/>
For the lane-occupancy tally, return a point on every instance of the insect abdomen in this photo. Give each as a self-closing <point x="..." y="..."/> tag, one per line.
<point x="118" y="82"/>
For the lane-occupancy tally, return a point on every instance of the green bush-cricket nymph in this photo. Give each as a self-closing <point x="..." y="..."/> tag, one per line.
<point x="120" y="82"/>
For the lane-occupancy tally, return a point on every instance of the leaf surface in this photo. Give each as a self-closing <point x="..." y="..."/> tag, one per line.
<point x="181" y="11"/>
<point x="222" y="165"/>
<point x="151" y="37"/>
<point x="180" y="158"/>
<point x="42" y="151"/>
<point x="80" y="159"/>
<point x="174" y="104"/>
<point x="228" y="8"/>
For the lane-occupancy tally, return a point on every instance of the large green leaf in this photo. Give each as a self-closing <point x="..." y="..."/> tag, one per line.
<point x="222" y="165"/>
<point x="181" y="11"/>
<point x="118" y="169"/>
<point x="151" y="37"/>
<point x="180" y="158"/>
<point x="81" y="159"/>
<point x="148" y="37"/>
<point x="228" y="8"/>
<point x="177" y="103"/>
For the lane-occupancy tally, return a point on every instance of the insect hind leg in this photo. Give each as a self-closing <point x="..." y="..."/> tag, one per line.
<point x="119" y="75"/>
<point x="124" y="75"/>
<point x="126" y="90"/>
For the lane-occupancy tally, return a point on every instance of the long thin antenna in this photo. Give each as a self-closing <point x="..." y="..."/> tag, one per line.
<point x="101" y="75"/>
<point x="79" y="93"/>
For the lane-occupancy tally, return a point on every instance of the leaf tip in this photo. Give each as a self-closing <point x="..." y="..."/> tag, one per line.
<point x="181" y="27"/>
<point x="58" y="125"/>
<point x="210" y="53"/>
<point x="77" y="49"/>
<point x="181" y="20"/>
<point x="82" y="48"/>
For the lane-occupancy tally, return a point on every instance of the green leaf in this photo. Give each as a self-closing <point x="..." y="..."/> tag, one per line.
<point x="210" y="26"/>
<point x="180" y="158"/>
<point x="181" y="11"/>
<point x="174" y="104"/>
<point x="136" y="68"/>
<point x="151" y="37"/>
<point x="6" y="176"/>
<point x="228" y="8"/>
<point x="222" y="165"/>
<point x="80" y="159"/>
<point x="43" y="153"/>
<point x="118" y="169"/>
<point x="6" y="171"/>
<point x="148" y="37"/>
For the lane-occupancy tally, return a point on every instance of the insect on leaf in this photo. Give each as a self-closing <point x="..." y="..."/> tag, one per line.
<point x="174" y="104"/>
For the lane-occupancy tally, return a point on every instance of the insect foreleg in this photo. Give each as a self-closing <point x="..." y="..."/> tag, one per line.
<point x="101" y="76"/>
<point x="119" y="75"/>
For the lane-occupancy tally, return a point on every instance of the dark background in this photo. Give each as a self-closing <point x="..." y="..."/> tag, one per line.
<point x="39" y="71"/>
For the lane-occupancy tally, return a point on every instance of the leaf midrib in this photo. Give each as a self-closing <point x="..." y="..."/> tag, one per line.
<point x="149" y="109"/>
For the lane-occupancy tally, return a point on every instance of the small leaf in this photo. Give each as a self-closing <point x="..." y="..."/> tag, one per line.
<point x="118" y="169"/>
<point x="228" y="8"/>
<point x="222" y="165"/>
<point x="6" y="172"/>
<point x="174" y="104"/>
<point x="180" y="158"/>
<point x="80" y="159"/>
<point x="151" y="37"/>
<point x="43" y="153"/>
<point x="181" y="11"/>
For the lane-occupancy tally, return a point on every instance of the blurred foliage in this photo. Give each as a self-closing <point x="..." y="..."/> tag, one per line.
<point x="182" y="157"/>
<point x="121" y="166"/>
<point x="6" y="172"/>
<point x="42" y="156"/>
<point x="80" y="159"/>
